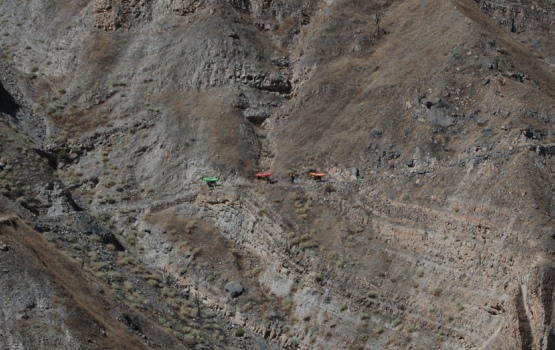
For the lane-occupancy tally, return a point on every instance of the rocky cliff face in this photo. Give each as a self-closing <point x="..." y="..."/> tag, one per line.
<point x="433" y="227"/>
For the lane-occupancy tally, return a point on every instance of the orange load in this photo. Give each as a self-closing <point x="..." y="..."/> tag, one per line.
<point x="317" y="176"/>
<point x="263" y="176"/>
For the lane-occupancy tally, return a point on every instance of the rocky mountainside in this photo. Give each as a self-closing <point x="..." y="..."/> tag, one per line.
<point x="432" y="120"/>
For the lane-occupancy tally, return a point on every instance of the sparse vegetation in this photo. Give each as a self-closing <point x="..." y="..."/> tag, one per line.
<point x="329" y="188"/>
<point x="330" y="262"/>
<point x="191" y="225"/>
<point x="437" y="291"/>
<point x="377" y="17"/>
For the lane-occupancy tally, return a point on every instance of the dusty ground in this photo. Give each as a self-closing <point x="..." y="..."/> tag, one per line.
<point x="432" y="120"/>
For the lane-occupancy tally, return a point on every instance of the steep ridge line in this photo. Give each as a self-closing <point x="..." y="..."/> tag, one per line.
<point x="69" y="275"/>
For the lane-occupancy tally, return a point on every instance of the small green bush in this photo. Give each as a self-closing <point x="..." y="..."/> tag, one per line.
<point x="50" y="109"/>
<point x="128" y="285"/>
<point x="22" y="201"/>
<point x="396" y="322"/>
<point x="62" y="154"/>
<point x="239" y="332"/>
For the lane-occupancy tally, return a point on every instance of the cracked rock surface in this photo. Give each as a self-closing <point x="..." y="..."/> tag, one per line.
<point x="432" y="227"/>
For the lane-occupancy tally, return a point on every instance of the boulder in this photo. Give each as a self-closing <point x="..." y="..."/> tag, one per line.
<point x="4" y="247"/>
<point x="438" y="117"/>
<point x="234" y="289"/>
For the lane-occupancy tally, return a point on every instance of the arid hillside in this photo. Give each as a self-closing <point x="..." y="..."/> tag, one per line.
<point x="432" y="228"/>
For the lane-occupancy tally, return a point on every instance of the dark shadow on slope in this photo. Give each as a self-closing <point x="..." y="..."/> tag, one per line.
<point x="7" y="102"/>
<point x="524" y="327"/>
<point x="547" y="295"/>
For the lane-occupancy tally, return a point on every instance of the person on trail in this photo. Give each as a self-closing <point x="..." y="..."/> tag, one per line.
<point x="292" y="176"/>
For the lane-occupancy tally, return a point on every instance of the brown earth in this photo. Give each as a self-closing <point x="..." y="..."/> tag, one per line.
<point x="433" y="121"/>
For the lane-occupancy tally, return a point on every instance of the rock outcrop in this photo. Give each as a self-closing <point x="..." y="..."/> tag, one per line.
<point x="432" y="227"/>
